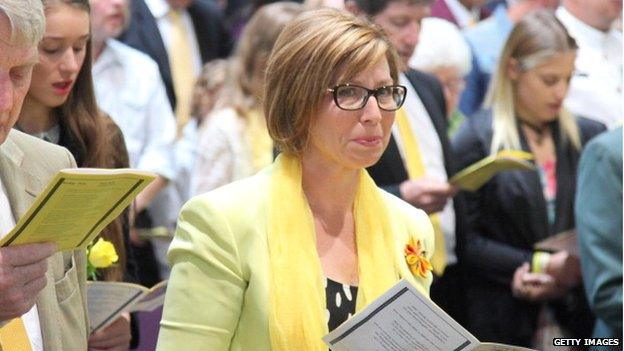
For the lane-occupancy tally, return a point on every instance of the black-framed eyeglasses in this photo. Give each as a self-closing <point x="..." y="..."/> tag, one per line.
<point x="352" y="97"/>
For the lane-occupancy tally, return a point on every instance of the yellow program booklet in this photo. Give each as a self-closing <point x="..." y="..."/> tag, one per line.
<point x="76" y="205"/>
<point x="107" y="300"/>
<point x="474" y="176"/>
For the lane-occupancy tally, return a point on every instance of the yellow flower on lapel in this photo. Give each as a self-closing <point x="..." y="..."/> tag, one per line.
<point x="416" y="260"/>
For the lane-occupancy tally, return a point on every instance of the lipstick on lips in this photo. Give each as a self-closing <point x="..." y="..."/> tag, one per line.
<point x="62" y="88"/>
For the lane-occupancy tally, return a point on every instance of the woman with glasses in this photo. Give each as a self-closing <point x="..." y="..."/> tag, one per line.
<point x="275" y="261"/>
<point x="510" y="282"/>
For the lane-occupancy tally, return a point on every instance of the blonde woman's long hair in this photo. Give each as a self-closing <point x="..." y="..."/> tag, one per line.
<point x="536" y="38"/>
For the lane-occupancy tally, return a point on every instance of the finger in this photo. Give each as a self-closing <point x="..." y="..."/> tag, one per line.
<point x="537" y="279"/>
<point x="33" y="287"/>
<point x="21" y="255"/>
<point x="31" y="272"/>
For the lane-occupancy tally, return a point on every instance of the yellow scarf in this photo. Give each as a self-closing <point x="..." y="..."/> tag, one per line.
<point x="260" y="143"/>
<point x="297" y="319"/>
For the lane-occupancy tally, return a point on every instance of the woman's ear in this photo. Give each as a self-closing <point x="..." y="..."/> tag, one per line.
<point x="513" y="69"/>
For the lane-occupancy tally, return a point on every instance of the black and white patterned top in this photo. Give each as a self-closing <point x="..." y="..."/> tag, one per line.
<point x="340" y="302"/>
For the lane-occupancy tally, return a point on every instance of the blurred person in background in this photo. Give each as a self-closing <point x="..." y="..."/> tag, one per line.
<point x="596" y="87"/>
<point x="443" y="52"/>
<point x="486" y="40"/>
<point x="128" y="86"/>
<point x="418" y="161"/>
<point x="275" y="261"/>
<point x="180" y="35"/>
<point x="60" y="108"/>
<point x="206" y="92"/>
<point x="234" y="142"/>
<point x="519" y="295"/>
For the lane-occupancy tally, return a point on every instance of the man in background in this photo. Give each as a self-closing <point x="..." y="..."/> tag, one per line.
<point x="180" y="35"/>
<point x="596" y="87"/>
<point x="418" y="161"/>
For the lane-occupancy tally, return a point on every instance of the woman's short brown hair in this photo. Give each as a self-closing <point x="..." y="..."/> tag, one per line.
<point x="315" y="51"/>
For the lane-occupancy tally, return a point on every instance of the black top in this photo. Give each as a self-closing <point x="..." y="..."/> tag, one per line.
<point x="340" y="302"/>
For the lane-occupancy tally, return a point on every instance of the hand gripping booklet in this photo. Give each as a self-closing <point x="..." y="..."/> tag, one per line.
<point x="107" y="300"/>
<point x="76" y="205"/>
<point x="404" y="319"/>
<point x="474" y="176"/>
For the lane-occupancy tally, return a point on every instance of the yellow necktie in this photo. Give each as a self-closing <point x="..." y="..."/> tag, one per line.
<point x="13" y="336"/>
<point x="180" y="61"/>
<point x="416" y="169"/>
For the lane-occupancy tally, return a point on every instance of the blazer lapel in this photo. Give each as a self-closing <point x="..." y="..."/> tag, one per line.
<point x="21" y="186"/>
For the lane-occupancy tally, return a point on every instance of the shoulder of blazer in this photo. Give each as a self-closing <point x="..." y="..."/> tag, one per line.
<point x="39" y="154"/>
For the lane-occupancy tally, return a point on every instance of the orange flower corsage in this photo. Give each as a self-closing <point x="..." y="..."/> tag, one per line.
<point x="416" y="260"/>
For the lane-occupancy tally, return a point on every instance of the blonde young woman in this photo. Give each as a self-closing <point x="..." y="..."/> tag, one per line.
<point x="510" y="281"/>
<point x="257" y="264"/>
<point x="234" y="143"/>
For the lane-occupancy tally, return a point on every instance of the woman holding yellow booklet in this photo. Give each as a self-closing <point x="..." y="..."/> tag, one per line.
<point x="273" y="262"/>
<point x="509" y="281"/>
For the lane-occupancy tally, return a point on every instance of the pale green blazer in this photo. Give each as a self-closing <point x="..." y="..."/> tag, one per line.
<point x="26" y="165"/>
<point x="218" y="292"/>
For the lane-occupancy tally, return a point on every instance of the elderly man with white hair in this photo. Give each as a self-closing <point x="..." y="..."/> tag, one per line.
<point x="443" y="52"/>
<point x="42" y="293"/>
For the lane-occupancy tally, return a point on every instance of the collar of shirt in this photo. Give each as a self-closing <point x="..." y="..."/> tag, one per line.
<point x="158" y="8"/>
<point x="463" y="16"/>
<point x="585" y="34"/>
<point x="109" y="57"/>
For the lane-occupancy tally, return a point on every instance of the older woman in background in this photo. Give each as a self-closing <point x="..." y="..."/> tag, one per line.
<point x="234" y="143"/>
<point x="258" y="264"/>
<point x="510" y="281"/>
<point x="443" y="52"/>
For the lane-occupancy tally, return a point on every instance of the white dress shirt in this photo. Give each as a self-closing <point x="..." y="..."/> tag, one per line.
<point x="30" y="318"/>
<point x="596" y="88"/>
<point x="160" y="10"/>
<point x="128" y="87"/>
<point x="432" y="157"/>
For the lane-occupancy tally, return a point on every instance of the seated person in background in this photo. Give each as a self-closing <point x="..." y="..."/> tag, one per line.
<point x="42" y="293"/>
<point x="258" y="264"/>
<point x="443" y="52"/>
<point x="599" y="227"/>
<point x="516" y="209"/>
<point x="60" y="108"/>
<point x="233" y="142"/>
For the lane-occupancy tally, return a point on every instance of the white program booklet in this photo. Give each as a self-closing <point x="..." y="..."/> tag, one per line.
<point x="404" y="319"/>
